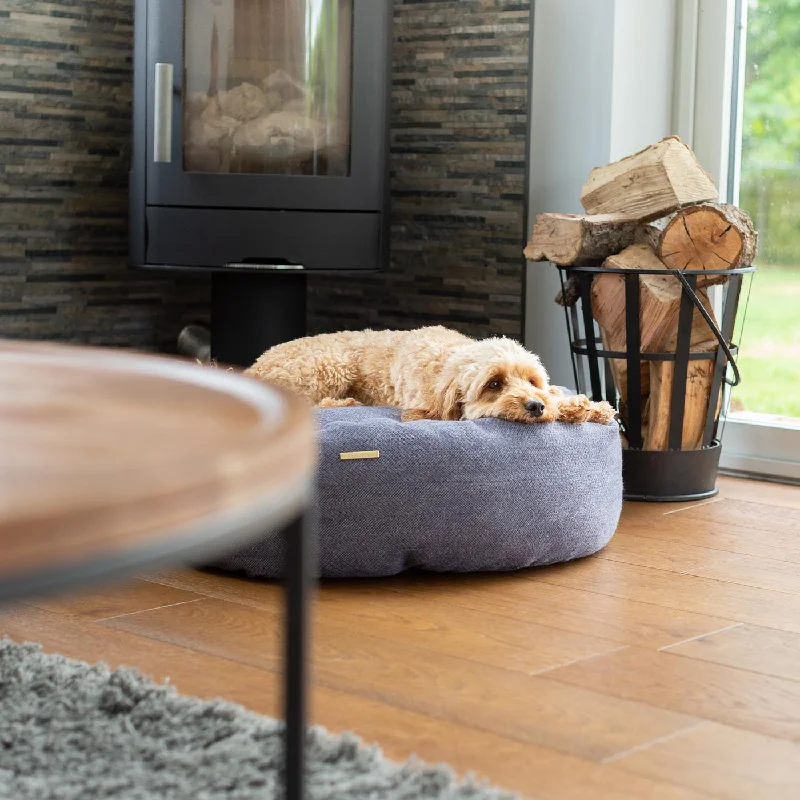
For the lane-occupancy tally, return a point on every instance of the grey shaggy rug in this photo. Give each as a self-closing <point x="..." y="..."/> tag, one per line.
<point x="71" y="731"/>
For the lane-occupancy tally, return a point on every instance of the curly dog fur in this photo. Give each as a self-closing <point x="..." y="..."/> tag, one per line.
<point x="431" y="373"/>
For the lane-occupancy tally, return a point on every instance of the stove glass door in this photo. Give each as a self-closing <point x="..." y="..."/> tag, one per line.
<point x="268" y="87"/>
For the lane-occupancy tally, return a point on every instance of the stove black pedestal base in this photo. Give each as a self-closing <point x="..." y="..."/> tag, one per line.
<point x="251" y="312"/>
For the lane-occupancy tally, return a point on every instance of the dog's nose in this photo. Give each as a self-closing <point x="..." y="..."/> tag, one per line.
<point x="535" y="408"/>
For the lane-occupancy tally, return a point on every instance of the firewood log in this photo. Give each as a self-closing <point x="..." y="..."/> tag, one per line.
<point x="698" y="382"/>
<point x="246" y="101"/>
<point x="702" y="338"/>
<point x="705" y="236"/>
<point x="699" y="378"/>
<point x="211" y="127"/>
<point x="578" y="240"/>
<point x="288" y="87"/>
<point x="659" y="307"/>
<point x="619" y="371"/>
<point x="282" y="128"/>
<point x="571" y="292"/>
<point x="659" y="303"/>
<point x="649" y="184"/>
<point x="659" y="298"/>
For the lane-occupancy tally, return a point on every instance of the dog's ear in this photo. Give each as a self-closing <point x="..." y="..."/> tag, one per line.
<point x="448" y="405"/>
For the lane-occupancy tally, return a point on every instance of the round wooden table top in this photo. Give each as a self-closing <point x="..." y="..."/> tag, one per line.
<point x="111" y="462"/>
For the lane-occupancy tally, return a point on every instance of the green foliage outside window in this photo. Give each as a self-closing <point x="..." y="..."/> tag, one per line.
<point x="770" y="187"/>
<point x="770" y="192"/>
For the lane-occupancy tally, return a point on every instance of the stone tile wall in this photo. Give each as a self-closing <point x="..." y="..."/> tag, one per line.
<point x="65" y="124"/>
<point x="459" y="109"/>
<point x="458" y="160"/>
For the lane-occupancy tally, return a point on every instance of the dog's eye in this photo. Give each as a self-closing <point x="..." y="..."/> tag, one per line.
<point x="494" y="384"/>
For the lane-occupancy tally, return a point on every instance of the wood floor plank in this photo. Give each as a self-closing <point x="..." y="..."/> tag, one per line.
<point x="224" y="586"/>
<point x="190" y="672"/>
<point x="762" y="573"/>
<point x="438" y="665"/>
<point x="765" y="524"/>
<point x="716" y="536"/>
<point x="512" y="595"/>
<point x="753" y="515"/>
<point x="111" y="601"/>
<point x="772" y="521"/>
<point x="519" y="766"/>
<point x="763" y="650"/>
<point x="748" y="570"/>
<point x="524" y="596"/>
<point x="760" y="703"/>
<point x="487" y="638"/>
<point x="642" y="551"/>
<point x="640" y="512"/>
<point x="522" y="767"/>
<point x="773" y="494"/>
<point x="535" y="771"/>
<point x="723" y="761"/>
<point x="480" y="636"/>
<point x="571" y="720"/>
<point x="734" y="602"/>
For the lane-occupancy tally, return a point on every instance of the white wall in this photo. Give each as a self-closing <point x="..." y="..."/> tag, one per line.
<point x="601" y="87"/>
<point x="570" y="96"/>
<point x="644" y="58"/>
<point x="713" y="88"/>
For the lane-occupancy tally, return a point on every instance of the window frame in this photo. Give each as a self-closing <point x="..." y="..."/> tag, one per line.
<point x="710" y="61"/>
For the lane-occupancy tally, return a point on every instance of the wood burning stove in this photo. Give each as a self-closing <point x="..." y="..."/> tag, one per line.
<point x="260" y="152"/>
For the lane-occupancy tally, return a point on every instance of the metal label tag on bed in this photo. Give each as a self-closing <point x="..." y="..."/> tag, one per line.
<point x="356" y="454"/>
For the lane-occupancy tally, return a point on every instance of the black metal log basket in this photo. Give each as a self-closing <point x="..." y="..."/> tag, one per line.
<point x="672" y="474"/>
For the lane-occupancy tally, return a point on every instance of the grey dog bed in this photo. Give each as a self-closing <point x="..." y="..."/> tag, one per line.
<point x="462" y="496"/>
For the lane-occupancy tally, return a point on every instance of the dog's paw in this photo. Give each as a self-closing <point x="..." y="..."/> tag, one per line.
<point x="573" y="409"/>
<point x="415" y="414"/>
<point x="601" y="412"/>
<point x="578" y="408"/>
<point x="333" y="402"/>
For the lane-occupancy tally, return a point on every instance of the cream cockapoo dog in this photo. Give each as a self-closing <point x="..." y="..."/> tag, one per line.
<point x="430" y="373"/>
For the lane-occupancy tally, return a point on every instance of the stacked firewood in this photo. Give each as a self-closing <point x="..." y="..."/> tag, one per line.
<point x="274" y="115"/>
<point x="246" y="127"/>
<point x="658" y="210"/>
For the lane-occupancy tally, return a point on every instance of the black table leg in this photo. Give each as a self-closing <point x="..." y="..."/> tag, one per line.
<point x="299" y="570"/>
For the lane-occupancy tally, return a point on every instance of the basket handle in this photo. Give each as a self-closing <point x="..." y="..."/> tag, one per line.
<point x="711" y="324"/>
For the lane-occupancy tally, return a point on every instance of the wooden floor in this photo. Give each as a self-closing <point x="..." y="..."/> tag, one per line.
<point x="667" y="666"/>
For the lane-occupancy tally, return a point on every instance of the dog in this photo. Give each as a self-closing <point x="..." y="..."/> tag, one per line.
<point x="430" y="373"/>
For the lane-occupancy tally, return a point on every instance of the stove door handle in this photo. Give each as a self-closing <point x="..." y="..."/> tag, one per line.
<point x="162" y="114"/>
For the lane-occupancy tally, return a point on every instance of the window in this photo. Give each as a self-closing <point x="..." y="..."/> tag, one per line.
<point x="769" y="189"/>
<point x="748" y="52"/>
